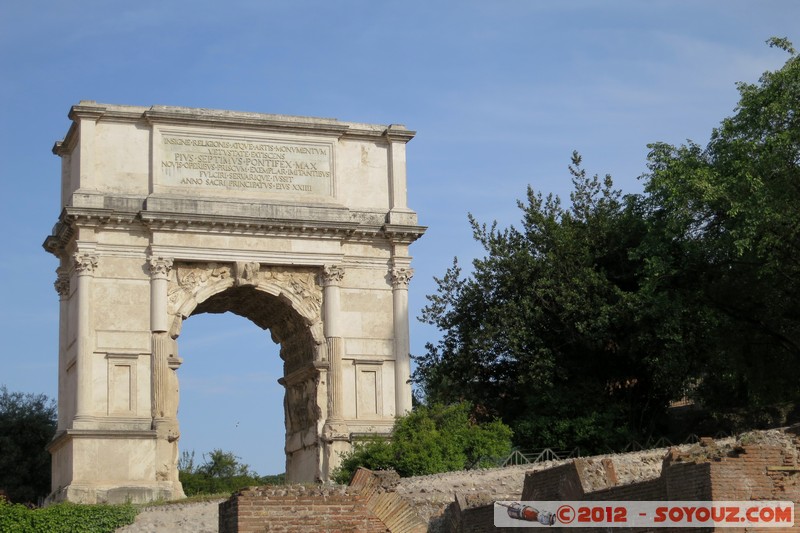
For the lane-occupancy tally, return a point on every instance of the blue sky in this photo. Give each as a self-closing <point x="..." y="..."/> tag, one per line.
<point x="499" y="91"/>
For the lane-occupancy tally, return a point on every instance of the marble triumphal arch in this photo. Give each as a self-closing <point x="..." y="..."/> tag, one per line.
<point x="299" y="224"/>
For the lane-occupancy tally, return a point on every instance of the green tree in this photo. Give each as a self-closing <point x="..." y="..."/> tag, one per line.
<point x="221" y="472"/>
<point x="27" y="425"/>
<point x="724" y="224"/>
<point x="428" y="440"/>
<point x="582" y="324"/>
<point x="541" y="332"/>
<point x="220" y="464"/>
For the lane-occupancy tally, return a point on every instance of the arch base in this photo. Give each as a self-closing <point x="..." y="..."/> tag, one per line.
<point x="88" y="467"/>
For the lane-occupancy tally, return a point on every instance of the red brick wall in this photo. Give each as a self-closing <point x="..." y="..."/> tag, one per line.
<point x="646" y="490"/>
<point x="687" y="481"/>
<point x="297" y="508"/>
<point x="558" y="483"/>
<point x="369" y="504"/>
<point x="748" y="476"/>
<point x="763" y="471"/>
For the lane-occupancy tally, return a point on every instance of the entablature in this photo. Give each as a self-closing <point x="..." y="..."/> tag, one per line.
<point x="344" y="226"/>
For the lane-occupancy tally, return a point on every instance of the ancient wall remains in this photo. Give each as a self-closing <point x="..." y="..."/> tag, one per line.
<point x="368" y="504"/>
<point x="758" y="466"/>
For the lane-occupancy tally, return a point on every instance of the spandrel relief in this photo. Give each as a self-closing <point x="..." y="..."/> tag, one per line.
<point x="187" y="278"/>
<point x="302" y="284"/>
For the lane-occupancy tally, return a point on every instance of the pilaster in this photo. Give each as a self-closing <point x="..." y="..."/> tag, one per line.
<point x="86" y="117"/>
<point x="399" y="213"/>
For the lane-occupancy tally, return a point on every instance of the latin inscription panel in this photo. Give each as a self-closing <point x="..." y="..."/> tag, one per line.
<point x="279" y="167"/>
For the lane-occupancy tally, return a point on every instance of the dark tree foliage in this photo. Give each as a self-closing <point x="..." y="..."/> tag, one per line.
<point x="725" y="242"/>
<point x="541" y="333"/>
<point x="27" y="425"/>
<point x="579" y="327"/>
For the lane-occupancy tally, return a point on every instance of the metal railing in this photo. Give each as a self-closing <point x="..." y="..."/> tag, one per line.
<point x="529" y="457"/>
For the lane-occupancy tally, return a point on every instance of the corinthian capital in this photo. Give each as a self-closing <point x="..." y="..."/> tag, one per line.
<point x="85" y="263"/>
<point x="160" y="267"/>
<point x="332" y="274"/>
<point x="62" y="284"/>
<point x="401" y="276"/>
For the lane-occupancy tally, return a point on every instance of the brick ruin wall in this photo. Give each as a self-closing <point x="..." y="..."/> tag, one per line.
<point x="758" y="466"/>
<point x="367" y="505"/>
<point x="296" y="508"/>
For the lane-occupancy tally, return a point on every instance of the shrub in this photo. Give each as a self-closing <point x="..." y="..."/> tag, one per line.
<point x="428" y="440"/>
<point x="65" y="518"/>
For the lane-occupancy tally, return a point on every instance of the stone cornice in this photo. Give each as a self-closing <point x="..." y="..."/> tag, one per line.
<point x="65" y="146"/>
<point x="303" y="374"/>
<point x="250" y="121"/>
<point x="71" y="217"/>
<point x="403" y="234"/>
<point x="56" y="242"/>
<point x="64" y="434"/>
<point x="399" y="133"/>
<point x="186" y="116"/>
<point x="233" y="224"/>
<point x="86" y="109"/>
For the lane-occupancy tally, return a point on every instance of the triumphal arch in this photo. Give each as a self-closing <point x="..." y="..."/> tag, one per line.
<point x="299" y="224"/>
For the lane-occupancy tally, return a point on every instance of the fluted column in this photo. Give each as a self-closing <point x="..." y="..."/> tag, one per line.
<point x="85" y="265"/>
<point x="332" y="276"/>
<point x="62" y="288"/>
<point x="164" y="381"/>
<point x="163" y="347"/>
<point x="401" y="276"/>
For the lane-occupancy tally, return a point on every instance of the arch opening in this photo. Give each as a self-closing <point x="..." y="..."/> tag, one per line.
<point x="268" y="312"/>
<point x="305" y="396"/>
<point x="230" y="395"/>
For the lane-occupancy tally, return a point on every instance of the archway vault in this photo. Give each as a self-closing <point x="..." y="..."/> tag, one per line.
<point x="287" y="301"/>
<point x="298" y="224"/>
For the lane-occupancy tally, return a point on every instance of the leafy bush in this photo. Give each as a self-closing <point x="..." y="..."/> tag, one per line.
<point x="220" y="473"/>
<point x="428" y="440"/>
<point x="64" y="518"/>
